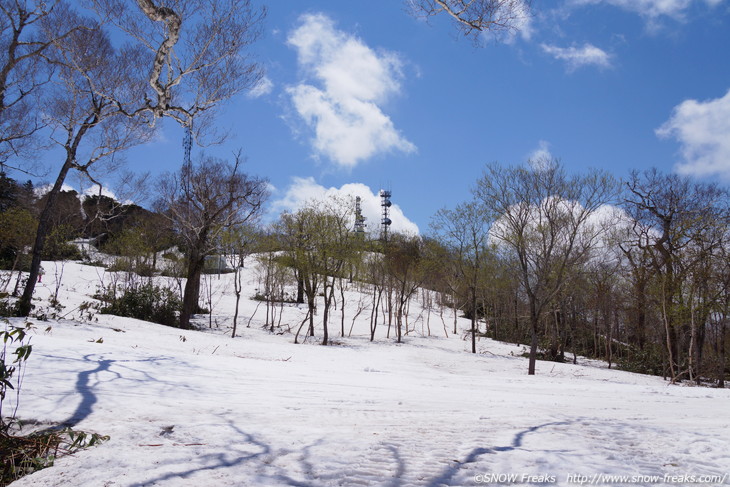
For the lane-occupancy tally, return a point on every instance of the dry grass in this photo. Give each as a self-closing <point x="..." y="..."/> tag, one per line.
<point x="23" y="455"/>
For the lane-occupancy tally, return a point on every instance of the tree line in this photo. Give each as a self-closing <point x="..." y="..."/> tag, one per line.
<point x="634" y="272"/>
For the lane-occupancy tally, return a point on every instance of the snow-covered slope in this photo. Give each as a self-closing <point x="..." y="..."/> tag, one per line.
<point x="197" y="408"/>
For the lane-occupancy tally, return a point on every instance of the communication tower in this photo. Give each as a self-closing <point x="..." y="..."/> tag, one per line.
<point x="188" y="142"/>
<point x="359" y="219"/>
<point x="385" y="204"/>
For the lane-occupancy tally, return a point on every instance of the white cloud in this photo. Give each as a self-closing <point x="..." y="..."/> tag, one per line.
<point x="576" y="57"/>
<point x="95" y="191"/>
<point x="523" y="25"/>
<point x="41" y="191"/>
<point x="541" y="155"/>
<point x="652" y="9"/>
<point x="595" y="231"/>
<point x="702" y="129"/>
<point x="305" y="190"/>
<point x="262" y="88"/>
<point x="342" y="97"/>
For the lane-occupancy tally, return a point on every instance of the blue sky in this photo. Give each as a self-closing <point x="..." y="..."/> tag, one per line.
<point x="360" y="95"/>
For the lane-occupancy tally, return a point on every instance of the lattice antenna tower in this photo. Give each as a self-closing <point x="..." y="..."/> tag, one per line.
<point x="385" y="205"/>
<point x="359" y="218"/>
<point x="188" y="143"/>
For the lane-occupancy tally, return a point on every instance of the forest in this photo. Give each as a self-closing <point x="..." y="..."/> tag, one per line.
<point x="632" y="272"/>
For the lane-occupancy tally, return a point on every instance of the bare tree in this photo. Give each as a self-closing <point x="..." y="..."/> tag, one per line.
<point x="87" y="127"/>
<point x="273" y="278"/>
<point x="202" y="200"/>
<point x="319" y="246"/>
<point x="24" y="69"/>
<point x="406" y="263"/>
<point x="720" y="318"/>
<point x="193" y="51"/>
<point x="638" y="273"/>
<point x="238" y="243"/>
<point x="602" y="279"/>
<point x="167" y="70"/>
<point x="338" y="250"/>
<point x="298" y="255"/>
<point x="542" y="216"/>
<point x="445" y="278"/>
<point x="375" y="273"/>
<point x="473" y="18"/>
<point x="465" y="230"/>
<point x="679" y="224"/>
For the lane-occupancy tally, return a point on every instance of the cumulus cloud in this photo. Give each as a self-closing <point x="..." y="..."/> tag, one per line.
<point x="596" y="229"/>
<point x="41" y="191"/>
<point x="540" y="156"/>
<point x="305" y="190"/>
<point x="90" y="191"/>
<point x="96" y="191"/>
<point x="652" y="9"/>
<point x="701" y="128"/>
<point x="346" y="84"/>
<point x="577" y="57"/>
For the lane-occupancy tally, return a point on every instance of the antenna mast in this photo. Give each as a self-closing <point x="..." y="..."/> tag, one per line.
<point x="359" y="219"/>
<point x="188" y="142"/>
<point x="385" y="221"/>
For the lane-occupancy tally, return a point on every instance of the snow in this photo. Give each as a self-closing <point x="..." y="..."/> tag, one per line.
<point x="198" y="408"/>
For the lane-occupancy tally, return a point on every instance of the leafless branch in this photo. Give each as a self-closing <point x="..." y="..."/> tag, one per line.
<point x="473" y="18"/>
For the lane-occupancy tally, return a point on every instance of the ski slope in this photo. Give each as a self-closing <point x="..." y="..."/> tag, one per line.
<point x="198" y="408"/>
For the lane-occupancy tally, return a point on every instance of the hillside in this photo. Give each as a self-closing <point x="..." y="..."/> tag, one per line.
<point x="197" y="408"/>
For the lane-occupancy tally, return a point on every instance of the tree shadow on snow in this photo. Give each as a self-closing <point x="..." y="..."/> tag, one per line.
<point x="231" y="455"/>
<point x="309" y="469"/>
<point x="85" y="386"/>
<point x="446" y="478"/>
<point x="307" y="466"/>
<point x="244" y="447"/>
